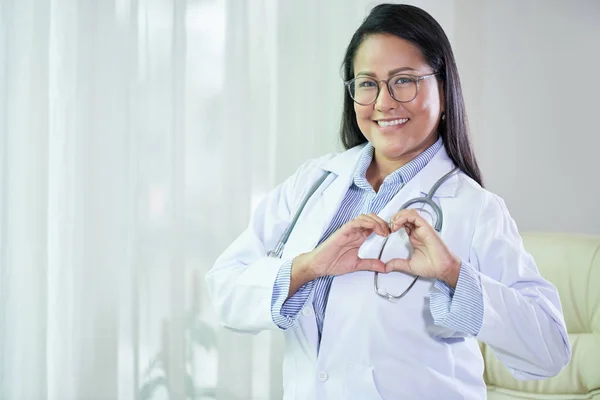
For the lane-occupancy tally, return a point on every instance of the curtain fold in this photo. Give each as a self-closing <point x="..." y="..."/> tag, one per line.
<point x="136" y="137"/>
<point x="24" y="194"/>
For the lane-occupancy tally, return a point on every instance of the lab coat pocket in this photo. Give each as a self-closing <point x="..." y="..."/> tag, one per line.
<point x="360" y="384"/>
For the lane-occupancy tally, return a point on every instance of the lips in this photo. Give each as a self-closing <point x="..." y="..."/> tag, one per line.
<point x="392" y="122"/>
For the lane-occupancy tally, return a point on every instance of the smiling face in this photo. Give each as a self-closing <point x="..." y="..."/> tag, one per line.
<point x="398" y="131"/>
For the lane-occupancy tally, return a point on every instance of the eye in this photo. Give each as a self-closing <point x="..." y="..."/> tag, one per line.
<point x="365" y="83"/>
<point x="403" y="80"/>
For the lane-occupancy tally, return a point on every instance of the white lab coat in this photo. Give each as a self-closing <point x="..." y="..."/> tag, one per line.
<point x="375" y="349"/>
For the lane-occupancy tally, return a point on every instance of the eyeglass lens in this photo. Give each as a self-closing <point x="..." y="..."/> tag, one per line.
<point x="364" y="90"/>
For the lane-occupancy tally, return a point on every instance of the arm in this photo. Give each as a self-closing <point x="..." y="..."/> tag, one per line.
<point x="248" y="288"/>
<point x="501" y="299"/>
<point x="293" y="286"/>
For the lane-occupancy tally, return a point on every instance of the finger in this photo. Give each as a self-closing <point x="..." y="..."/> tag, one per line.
<point x="362" y="221"/>
<point x="381" y="222"/>
<point x="379" y="226"/>
<point x="371" y="264"/>
<point x="407" y="217"/>
<point x="398" y="264"/>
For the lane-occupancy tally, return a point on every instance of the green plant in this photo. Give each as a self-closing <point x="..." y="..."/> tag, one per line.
<point x="198" y="333"/>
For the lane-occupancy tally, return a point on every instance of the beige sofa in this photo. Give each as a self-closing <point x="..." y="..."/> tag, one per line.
<point x="572" y="263"/>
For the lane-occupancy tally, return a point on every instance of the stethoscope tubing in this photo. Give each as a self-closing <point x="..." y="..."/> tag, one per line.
<point x="426" y="200"/>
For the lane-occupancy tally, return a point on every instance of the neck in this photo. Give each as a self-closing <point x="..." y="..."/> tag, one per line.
<point x="382" y="166"/>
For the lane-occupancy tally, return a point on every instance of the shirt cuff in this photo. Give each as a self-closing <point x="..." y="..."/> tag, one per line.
<point x="460" y="309"/>
<point x="285" y="313"/>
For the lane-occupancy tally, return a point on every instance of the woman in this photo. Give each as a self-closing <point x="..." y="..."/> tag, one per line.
<point x="404" y="127"/>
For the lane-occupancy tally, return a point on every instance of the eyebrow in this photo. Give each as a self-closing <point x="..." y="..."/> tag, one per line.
<point x="390" y="73"/>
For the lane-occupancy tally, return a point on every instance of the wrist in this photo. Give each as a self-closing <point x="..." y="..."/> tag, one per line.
<point x="452" y="273"/>
<point x="302" y="268"/>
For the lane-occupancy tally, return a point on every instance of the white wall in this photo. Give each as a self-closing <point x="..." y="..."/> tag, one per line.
<point x="529" y="78"/>
<point x="529" y="70"/>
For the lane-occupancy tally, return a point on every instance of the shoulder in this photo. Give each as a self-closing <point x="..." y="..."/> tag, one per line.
<point x="336" y="162"/>
<point x="473" y="190"/>
<point x="318" y="164"/>
<point x="489" y="209"/>
<point x="308" y="172"/>
<point x="298" y="185"/>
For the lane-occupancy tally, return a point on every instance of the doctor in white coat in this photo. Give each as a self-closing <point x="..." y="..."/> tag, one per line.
<point x="404" y="127"/>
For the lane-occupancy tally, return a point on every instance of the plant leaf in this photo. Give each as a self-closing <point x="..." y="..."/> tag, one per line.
<point x="190" y="387"/>
<point x="203" y="335"/>
<point x="156" y="362"/>
<point x="148" y="388"/>
<point x="208" y="392"/>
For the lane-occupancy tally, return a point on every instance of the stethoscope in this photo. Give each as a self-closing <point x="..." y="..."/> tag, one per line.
<point x="425" y="200"/>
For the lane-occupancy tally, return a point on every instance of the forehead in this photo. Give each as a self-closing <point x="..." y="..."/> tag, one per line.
<point x="382" y="53"/>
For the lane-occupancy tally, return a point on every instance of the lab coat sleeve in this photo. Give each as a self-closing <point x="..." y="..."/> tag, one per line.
<point x="522" y="315"/>
<point x="241" y="282"/>
<point x="285" y="313"/>
<point x="458" y="310"/>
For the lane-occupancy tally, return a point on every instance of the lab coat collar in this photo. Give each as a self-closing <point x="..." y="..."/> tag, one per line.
<point x="343" y="165"/>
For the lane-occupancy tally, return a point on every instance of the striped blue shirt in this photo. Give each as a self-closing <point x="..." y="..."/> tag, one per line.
<point x="460" y="309"/>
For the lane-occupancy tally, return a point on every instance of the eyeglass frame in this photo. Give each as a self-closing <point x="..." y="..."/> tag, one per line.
<point x="418" y="78"/>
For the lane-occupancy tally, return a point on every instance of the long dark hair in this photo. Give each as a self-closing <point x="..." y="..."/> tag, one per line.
<point x="418" y="27"/>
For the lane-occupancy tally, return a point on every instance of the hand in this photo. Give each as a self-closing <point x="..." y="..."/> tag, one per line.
<point x="431" y="257"/>
<point x="338" y="255"/>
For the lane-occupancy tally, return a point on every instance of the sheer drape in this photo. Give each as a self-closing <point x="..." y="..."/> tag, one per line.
<point x="124" y="127"/>
<point x="135" y="138"/>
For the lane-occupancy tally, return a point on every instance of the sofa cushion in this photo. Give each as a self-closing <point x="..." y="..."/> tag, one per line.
<point x="572" y="264"/>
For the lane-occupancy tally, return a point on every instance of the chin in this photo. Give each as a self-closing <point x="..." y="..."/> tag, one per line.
<point x="401" y="145"/>
<point x="396" y="147"/>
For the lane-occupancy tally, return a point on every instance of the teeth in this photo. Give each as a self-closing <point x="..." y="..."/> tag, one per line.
<point x="392" y="123"/>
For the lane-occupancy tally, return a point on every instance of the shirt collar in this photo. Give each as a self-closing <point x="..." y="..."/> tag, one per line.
<point x="400" y="176"/>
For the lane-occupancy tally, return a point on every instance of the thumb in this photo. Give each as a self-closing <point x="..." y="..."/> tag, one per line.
<point x="397" y="264"/>
<point x="371" y="264"/>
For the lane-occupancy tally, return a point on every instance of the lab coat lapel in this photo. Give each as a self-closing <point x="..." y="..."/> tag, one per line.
<point x="439" y="165"/>
<point x="418" y="186"/>
<point x="422" y="182"/>
<point x="324" y="203"/>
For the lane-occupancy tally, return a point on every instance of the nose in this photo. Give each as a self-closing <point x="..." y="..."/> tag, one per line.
<point x="385" y="101"/>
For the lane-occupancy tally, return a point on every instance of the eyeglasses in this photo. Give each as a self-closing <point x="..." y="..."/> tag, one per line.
<point x="403" y="88"/>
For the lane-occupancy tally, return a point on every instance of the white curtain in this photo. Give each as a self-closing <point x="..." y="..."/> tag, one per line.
<point x="124" y="135"/>
<point x="135" y="138"/>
